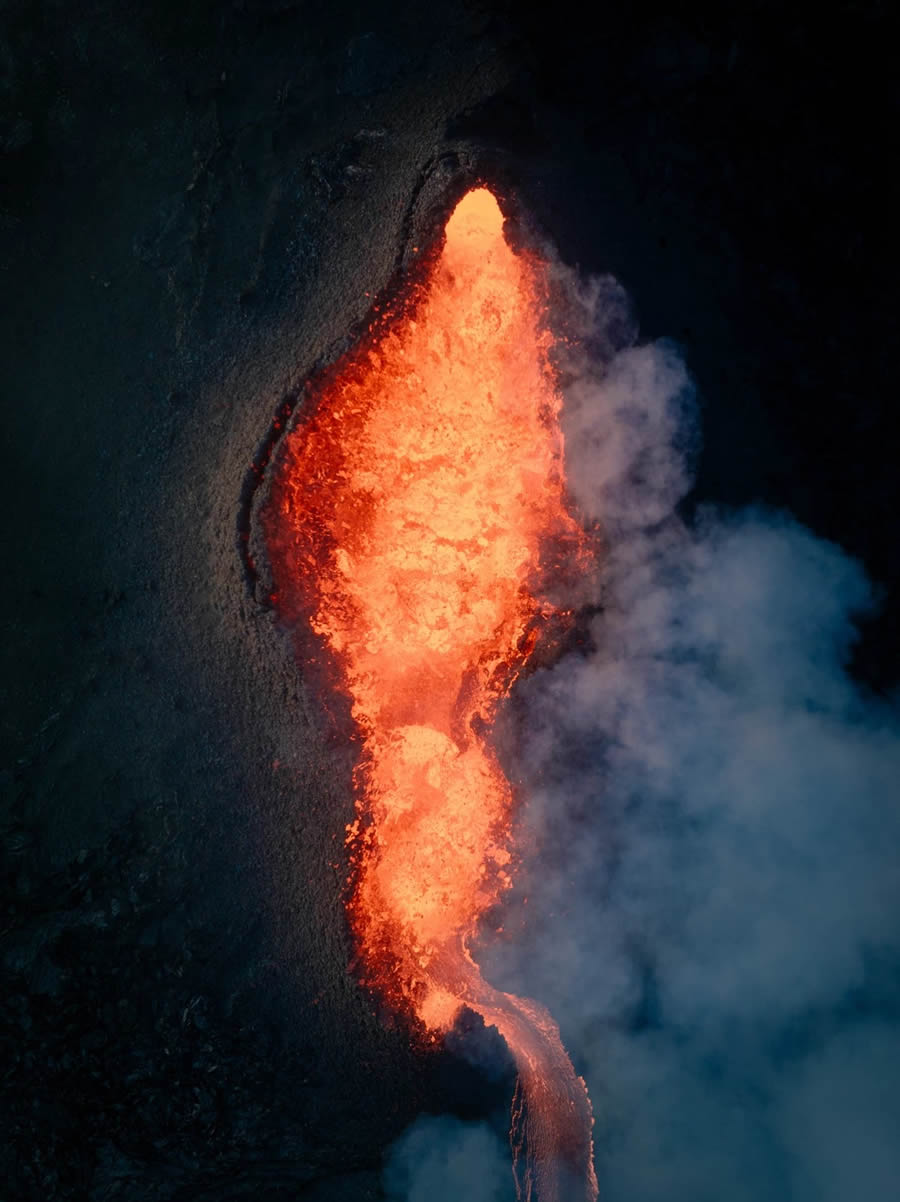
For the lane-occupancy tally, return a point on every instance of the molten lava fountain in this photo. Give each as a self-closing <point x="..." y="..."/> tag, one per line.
<point x="413" y="514"/>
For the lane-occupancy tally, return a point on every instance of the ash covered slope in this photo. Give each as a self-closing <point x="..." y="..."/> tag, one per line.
<point x="197" y="201"/>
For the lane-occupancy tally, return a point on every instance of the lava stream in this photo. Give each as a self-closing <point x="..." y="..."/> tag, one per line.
<point x="414" y="515"/>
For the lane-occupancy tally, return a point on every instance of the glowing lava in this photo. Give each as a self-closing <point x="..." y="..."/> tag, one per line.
<point x="414" y="513"/>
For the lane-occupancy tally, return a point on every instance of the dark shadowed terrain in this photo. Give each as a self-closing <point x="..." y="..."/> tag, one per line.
<point x="198" y="202"/>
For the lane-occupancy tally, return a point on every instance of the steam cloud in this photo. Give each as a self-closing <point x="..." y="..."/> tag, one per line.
<point x="712" y="907"/>
<point x="440" y="1159"/>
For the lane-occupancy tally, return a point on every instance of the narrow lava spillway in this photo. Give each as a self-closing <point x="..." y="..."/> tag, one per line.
<point x="413" y="519"/>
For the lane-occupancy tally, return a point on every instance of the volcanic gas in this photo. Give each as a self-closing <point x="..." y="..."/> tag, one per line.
<point x="413" y="520"/>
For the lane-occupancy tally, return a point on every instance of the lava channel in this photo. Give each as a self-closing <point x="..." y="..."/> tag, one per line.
<point x="413" y="516"/>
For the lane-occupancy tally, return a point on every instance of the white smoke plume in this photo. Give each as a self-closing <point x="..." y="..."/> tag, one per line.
<point x="441" y="1159"/>
<point x="713" y="907"/>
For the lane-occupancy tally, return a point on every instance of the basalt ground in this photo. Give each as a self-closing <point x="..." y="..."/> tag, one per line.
<point x="199" y="204"/>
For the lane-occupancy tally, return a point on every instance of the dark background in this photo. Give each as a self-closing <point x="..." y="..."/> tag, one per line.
<point x="197" y="203"/>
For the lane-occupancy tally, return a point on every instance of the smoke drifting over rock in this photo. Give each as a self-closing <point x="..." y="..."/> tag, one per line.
<point x="440" y="1159"/>
<point x="712" y="805"/>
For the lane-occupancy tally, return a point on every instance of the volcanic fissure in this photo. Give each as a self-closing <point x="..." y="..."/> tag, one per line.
<point x="416" y="519"/>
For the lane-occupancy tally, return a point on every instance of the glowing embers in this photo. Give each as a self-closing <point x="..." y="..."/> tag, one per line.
<point x="411" y="514"/>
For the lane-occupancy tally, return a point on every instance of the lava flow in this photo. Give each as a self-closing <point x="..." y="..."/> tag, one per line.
<point x="415" y="514"/>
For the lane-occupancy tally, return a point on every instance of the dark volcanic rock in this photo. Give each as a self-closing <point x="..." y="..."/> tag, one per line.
<point x="198" y="202"/>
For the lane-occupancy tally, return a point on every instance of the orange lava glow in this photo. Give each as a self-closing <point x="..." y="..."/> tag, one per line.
<point x="416" y="510"/>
